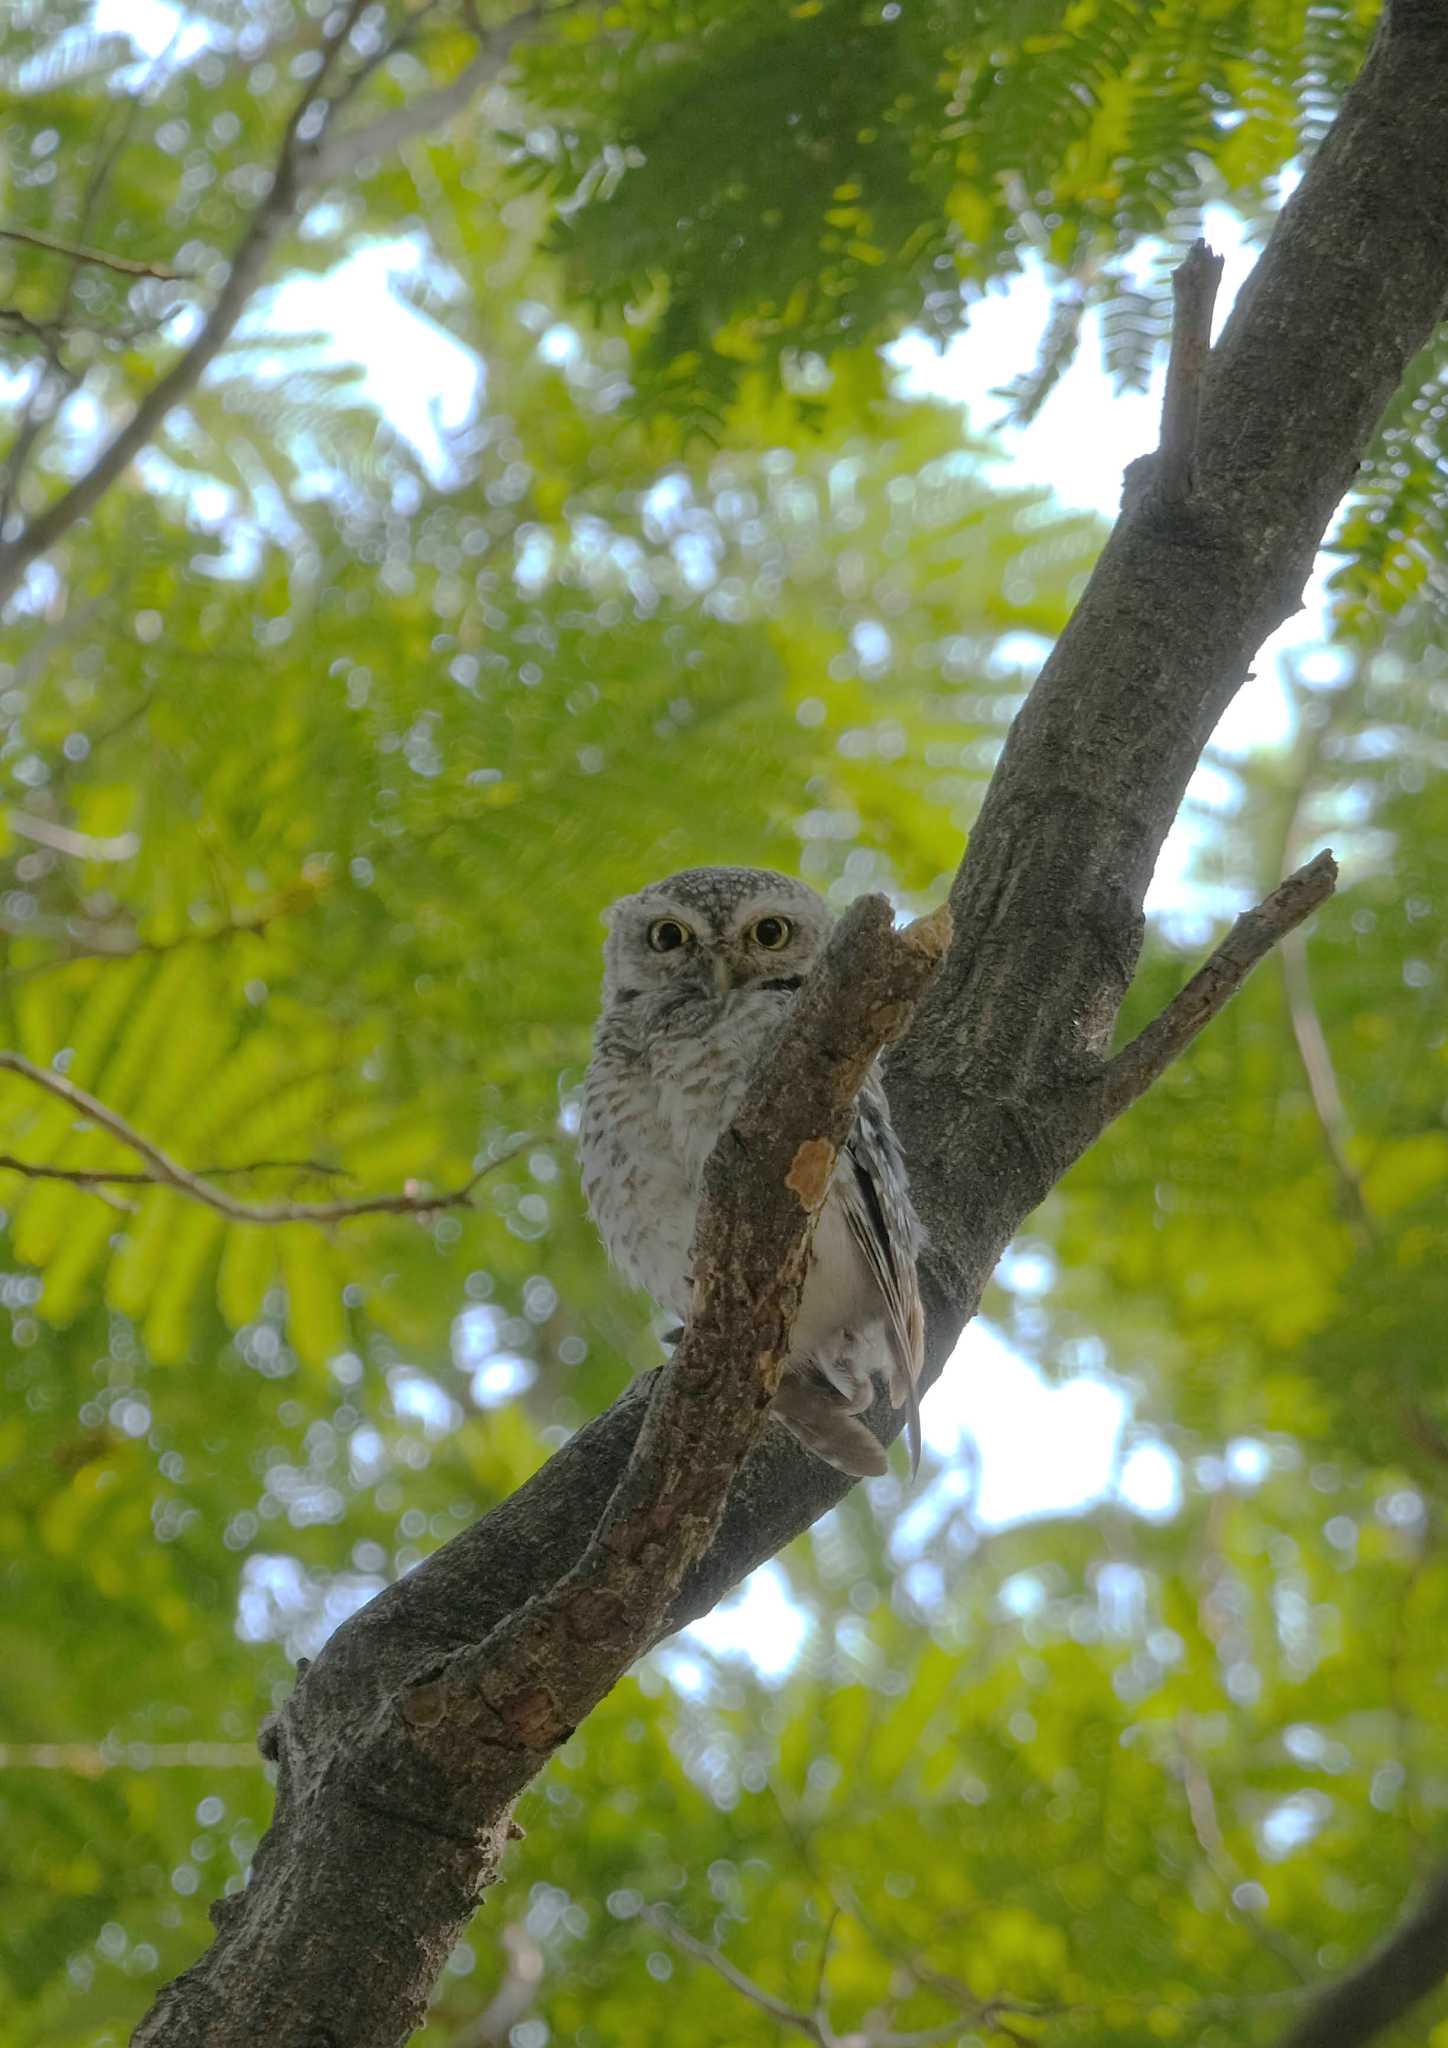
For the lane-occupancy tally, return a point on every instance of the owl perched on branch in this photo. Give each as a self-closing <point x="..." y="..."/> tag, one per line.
<point x="698" y="971"/>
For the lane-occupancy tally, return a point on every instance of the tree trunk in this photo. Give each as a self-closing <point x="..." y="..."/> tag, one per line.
<point x="407" y="1741"/>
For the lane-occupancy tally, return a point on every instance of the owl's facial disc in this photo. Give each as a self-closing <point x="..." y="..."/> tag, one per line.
<point x="712" y="932"/>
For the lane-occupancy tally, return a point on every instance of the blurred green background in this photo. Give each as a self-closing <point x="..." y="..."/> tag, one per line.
<point x="561" y="512"/>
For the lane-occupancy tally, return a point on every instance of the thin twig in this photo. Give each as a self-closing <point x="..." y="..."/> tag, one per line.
<point x="1321" y="1076"/>
<point x="1412" y="1962"/>
<point x="827" y="1945"/>
<point x="100" y="1177"/>
<point x="166" y="1173"/>
<point x="93" y="1759"/>
<point x="814" y="2026"/>
<point x="1313" y="1051"/>
<point x="1194" y="294"/>
<point x="379" y="139"/>
<point x="79" y="254"/>
<point x="1202" y="1812"/>
<point x="79" y="845"/>
<point x="514" y="1998"/>
<point x="247" y="266"/>
<point x="1251" y="939"/>
<point x="704" y="1952"/>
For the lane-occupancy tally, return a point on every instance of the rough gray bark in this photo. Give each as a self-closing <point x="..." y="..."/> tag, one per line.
<point x="388" y="1827"/>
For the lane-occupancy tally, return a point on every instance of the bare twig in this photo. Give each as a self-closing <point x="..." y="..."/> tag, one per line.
<point x="514" y="1997"/>
<point x="1194" y="294"/>
<point x="1202" y="1812"/>
<point x="814" y="2026"/>
<point x="376" y="140"/>
<point x="827" y="1947"/>
<point x="1384" y="1987"/>
<point x="79" y="845"/>
<point x="166" y="1173"/>
<point x="1321" y="1076"/>
<point x="1250" y="940"/>
<point x="79" y="254"/>
<point x="704" y="1952"/>
<point x="42" y="407"/>
<point x="100" y="1177"/>
<point x="94" y="1759"/>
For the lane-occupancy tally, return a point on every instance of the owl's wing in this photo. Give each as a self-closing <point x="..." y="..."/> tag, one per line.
<point x="884" y="1225"/>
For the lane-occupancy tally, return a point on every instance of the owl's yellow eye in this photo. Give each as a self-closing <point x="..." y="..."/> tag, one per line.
<point x="773" y="933"/>
<point x="666" y="935"/>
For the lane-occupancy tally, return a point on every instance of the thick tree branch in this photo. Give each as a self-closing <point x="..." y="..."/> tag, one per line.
<point x="462" y="1730"/>
<point x="165" y="1172"/>
<point x="538" y="1673"/>
<point x="1385" y="1987"/>
<point x="380" y="1845"/>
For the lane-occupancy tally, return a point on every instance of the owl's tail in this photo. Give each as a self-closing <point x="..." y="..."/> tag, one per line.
<point x="811" y="1409"/>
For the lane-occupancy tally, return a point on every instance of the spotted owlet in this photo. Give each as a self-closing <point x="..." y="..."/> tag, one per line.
<point x="698" y="970"/>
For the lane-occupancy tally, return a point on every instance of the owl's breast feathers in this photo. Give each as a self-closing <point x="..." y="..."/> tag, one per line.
<point x="667" y="1075"/>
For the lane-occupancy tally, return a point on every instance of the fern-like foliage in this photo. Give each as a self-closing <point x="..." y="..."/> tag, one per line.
<point x="920" y="151"/>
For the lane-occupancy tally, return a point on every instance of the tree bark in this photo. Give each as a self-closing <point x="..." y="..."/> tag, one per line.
<point x="382" y="1843"/>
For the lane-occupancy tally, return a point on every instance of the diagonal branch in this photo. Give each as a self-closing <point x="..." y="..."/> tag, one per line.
<point x="248" y="263"/>
<point x="460" y="1733"/>
<point x="1211" y="988"/>
<point x="1385" y="1987"/>
<point x="382" y="137"/>
<point x="539" y="1672"/>
<point x="99" y="1177"/>
<point x="165" y="1172"/>
<point x="816" y="2026"/>
<point x="704" y="1952"/>
<point x="385" y="1834"/>
<point x="303" y="159"/>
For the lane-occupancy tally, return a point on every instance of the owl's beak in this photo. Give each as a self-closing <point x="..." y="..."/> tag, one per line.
<point x="723" y="972"/>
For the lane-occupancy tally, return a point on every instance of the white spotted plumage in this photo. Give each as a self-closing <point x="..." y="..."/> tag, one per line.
<point x="698" y="970"/>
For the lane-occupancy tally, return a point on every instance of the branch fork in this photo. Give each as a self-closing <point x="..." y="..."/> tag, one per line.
<point x="540" y="1671"/>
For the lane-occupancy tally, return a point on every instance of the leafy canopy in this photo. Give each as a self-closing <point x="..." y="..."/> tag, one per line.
<point x="322" y="749"/>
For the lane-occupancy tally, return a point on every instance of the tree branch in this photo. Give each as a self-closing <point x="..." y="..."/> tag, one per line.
<point x="704" y="1952"/>
<point x="1194" y="294"/>
<point x="78" y="254"/>
<point x="166" y="1173"/>
<point x="1211" y="988"/>
<point x="384" y="1838"/>
<point x="85" y="1177"/>
<point x="814" y="2026"/>
<point x="378" y="139"/>
<point x="463" y="1729"/>
<point x="1386" y="1986"/>
<point x="303" y="160"/>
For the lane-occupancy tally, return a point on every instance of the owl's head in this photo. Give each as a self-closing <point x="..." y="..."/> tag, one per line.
<point x="709" y="930"/>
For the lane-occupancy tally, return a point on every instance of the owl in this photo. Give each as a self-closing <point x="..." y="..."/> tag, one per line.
<point x="698" y="971"/>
